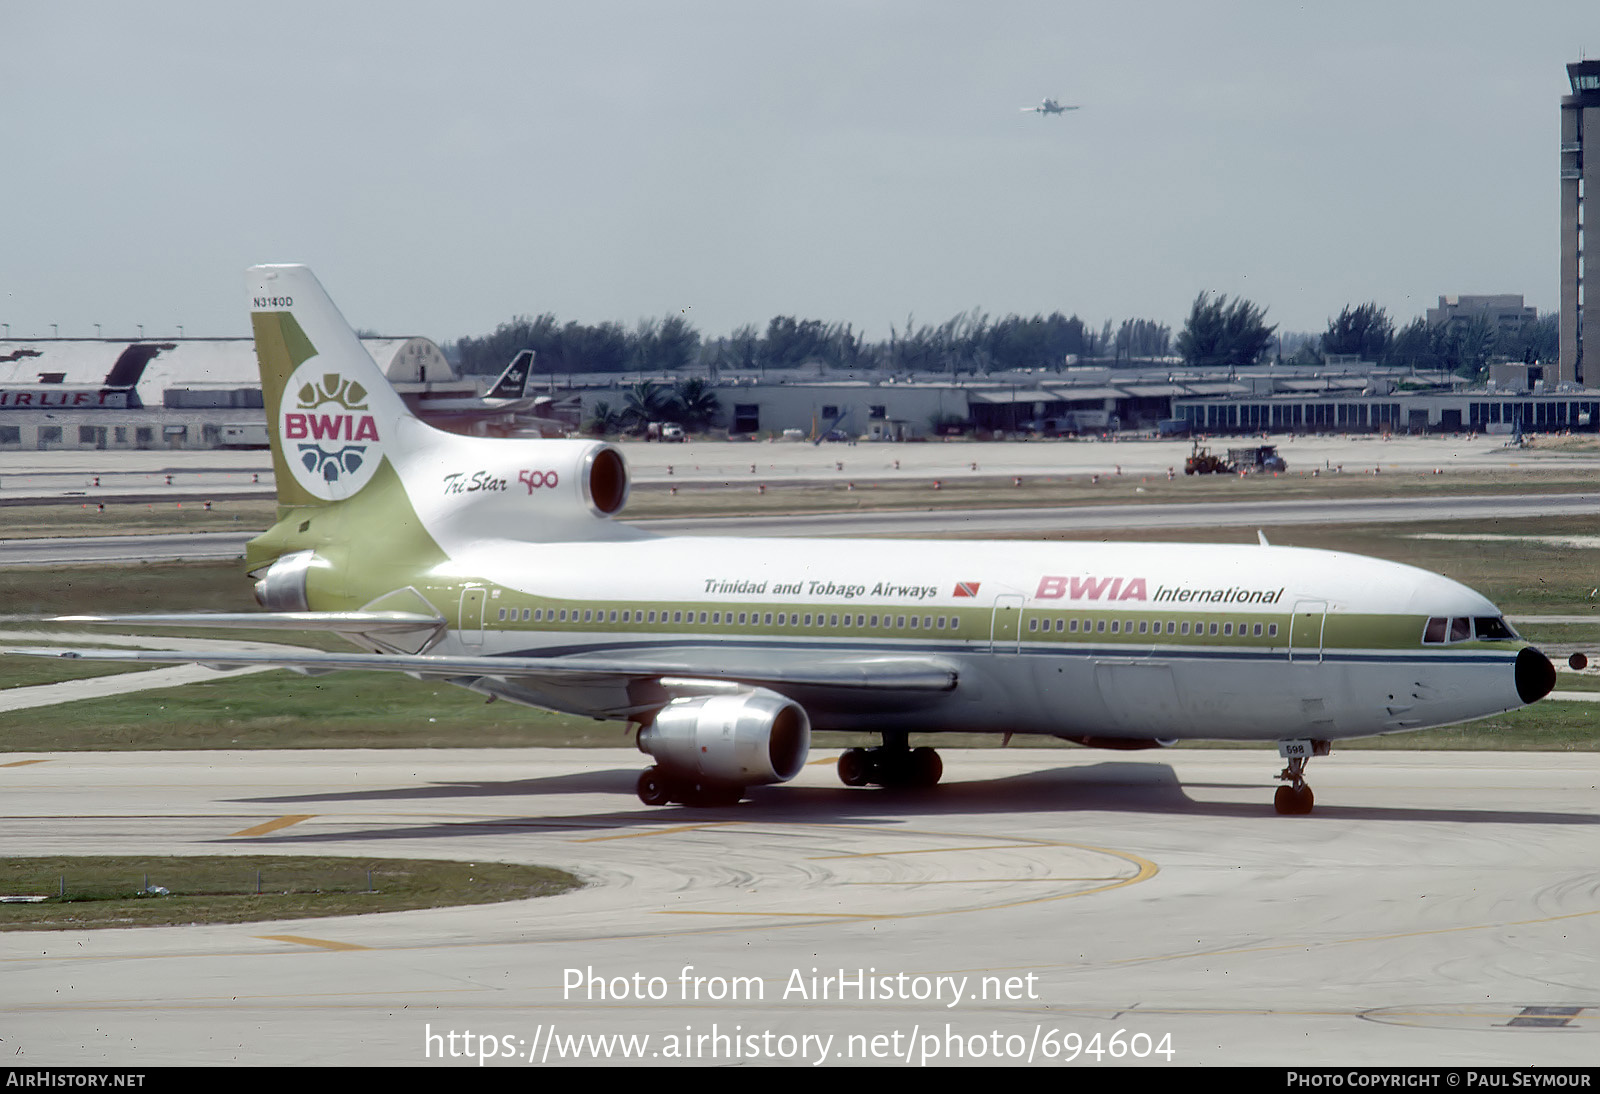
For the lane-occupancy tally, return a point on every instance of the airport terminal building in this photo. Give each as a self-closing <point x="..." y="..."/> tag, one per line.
<point x="206" y="393"/>
<point x="183" y="393"/>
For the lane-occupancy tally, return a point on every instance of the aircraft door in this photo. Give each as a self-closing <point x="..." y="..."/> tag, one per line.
<point x="471" y="623"/>
<point x="1305" y="630"/>
<point x="1005" y="626"/>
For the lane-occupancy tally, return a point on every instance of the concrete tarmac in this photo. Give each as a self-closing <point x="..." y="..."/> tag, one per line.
<point x="1157" y="518"/>
<point x="102" y="476"/>
<point x="1437" y="908"/>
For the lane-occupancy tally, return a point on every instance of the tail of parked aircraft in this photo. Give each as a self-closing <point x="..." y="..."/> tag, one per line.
<point x="330" y="410"/>
<point x="513" y="382"/>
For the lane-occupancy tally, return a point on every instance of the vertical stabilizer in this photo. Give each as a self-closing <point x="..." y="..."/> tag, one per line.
<point x="513" y="381"/>
<point x="330" y="409"/>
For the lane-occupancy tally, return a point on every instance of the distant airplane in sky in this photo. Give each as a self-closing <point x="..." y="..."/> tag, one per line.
<point x="1049" y="106"/>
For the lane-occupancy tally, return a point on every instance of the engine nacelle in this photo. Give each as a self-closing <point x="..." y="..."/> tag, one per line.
<point x="515" y="488"/>
<point x="282" y="587"/>
<point x="744" y="738"/>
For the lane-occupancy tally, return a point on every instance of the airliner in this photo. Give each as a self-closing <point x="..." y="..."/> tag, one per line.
<point x="1049" y="106"/>
<point x="497" y="564"/>
<point x="505" y="396"/>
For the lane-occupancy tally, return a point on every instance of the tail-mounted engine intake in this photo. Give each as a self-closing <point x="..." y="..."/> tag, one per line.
<point x="282" y="587"/>
<point x="518" y="489"/>
<point x="743" y="738"/>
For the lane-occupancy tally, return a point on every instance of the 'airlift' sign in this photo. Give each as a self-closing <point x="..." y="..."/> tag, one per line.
<point x="60" y="398"/>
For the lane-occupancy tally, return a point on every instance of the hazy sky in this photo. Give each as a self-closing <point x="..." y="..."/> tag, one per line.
<point x="445" y="167"/>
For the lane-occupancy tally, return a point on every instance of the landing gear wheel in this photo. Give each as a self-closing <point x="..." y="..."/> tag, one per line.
<point x="926" y="768"/>
<point x="854" y="767"/>
<point x="1293" y="801"/>
<point x="654" y="788"/>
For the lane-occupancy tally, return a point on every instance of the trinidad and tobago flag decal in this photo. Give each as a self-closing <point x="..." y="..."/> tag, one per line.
<point x="966" y="588"/>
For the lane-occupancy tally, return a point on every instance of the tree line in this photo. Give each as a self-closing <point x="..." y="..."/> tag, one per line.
<point x="972" y="342"/>
<point x="1219" y="332"/>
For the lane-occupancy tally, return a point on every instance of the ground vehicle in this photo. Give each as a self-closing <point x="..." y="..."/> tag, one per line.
<point x="1202" y="462"/>
<point x="1260" y="457"/>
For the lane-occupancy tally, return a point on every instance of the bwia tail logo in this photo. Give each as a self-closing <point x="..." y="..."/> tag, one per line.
<point x="330" y="440"/>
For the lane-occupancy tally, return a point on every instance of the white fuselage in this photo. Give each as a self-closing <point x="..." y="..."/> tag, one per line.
<point x="1117" y="640"/>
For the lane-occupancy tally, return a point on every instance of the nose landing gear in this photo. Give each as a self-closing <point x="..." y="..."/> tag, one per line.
<point x="1296" y="799"/>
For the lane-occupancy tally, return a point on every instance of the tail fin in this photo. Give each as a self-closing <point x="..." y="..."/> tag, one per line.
<point x="514" y="380"/>
<point x="330" y="409"/>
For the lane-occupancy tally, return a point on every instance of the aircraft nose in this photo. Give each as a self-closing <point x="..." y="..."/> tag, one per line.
<point x="1535" y="675"/>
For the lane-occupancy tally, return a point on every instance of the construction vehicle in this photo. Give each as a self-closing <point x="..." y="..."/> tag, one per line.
<point x="1202" y="462"/>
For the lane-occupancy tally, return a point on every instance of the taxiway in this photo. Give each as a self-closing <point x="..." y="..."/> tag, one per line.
<point x="1436" y="909"/>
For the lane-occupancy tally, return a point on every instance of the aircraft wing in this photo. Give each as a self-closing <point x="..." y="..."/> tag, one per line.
<point x="362" y="622"/>
<point x="893" y="673"/>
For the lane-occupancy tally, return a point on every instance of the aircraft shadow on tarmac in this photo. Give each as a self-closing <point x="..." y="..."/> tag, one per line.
<point x="1113" y="787"/>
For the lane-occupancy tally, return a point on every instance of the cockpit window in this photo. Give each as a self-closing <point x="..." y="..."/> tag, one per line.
<point x="1493" y="628"/>
<point x="1487" y="628"/>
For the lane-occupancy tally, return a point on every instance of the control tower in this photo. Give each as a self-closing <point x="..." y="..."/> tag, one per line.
<point x="1580" y="179"/>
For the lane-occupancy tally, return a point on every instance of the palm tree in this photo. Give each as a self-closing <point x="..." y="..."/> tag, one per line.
<point x="646" y="403"/>
<point x="696" y="403"/>
<point x="604" y="420"/>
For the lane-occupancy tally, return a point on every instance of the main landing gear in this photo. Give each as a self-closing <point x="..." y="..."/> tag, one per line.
<point x="656" y="787"/>
<point x="896" y="764"/>
<point x="1296" y="799"/>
